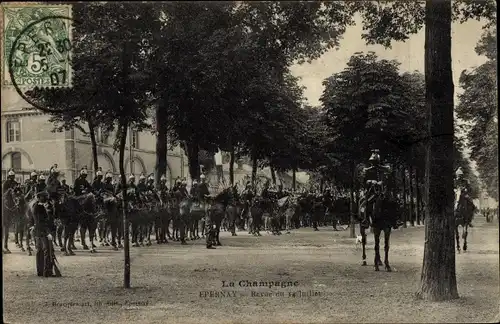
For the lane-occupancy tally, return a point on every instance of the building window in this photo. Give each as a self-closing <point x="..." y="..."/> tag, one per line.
<point x="13" y="131"/>
<point x="15" y="161"/>
<point x="135" y="139"/>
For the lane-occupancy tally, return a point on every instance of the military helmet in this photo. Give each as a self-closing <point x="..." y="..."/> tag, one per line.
<point x="151" y="178"/>
<point x="33" y="174"/>
<point x="163" y="177"/>
<point x="130" y="177"/>
<point x="42" y="194"/>
<point x="142" y="176"/>
<point x="375" y="155"/>
<point x="98" y="173"/>
<point x="202" y="176"/>
<point x="11" y="173"/>
<point x="109" y="175"/>
<point x="83" y="171"/>
<point x="42" y="177"/>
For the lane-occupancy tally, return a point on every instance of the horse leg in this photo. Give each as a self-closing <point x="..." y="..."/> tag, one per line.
<point x="6" y="239"/>
<point x="387" y="236"/>
<point x="59" y="232"/>
<point x="28" y="238"/>
<point x="464" y="236"/>
<point x="182" y="231"/>
<point x="363" y="244"/>
<point x="83" y="229"/>
<point x="92" y="235"/>
<point x="457" y="237"/>
<point x="21" y="236"/>
<point x="376" y="236"/>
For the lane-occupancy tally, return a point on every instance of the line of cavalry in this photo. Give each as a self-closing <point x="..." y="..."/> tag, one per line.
<point x="178" y="215"/>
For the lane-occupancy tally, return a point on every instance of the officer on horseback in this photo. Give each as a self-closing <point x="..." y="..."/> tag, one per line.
<point x="54" y="187"/>
<point x="10" y="183"/>
<point x="151" y="183"/>
<point x="374" y="183"/>
<point x="97" y="184"/>
<point x="42" y="225"/>
<point x="41" y="185"/>
<point x="82" y="186"/>
<point x="248" y="196"/>
<point x="108" y="183"/>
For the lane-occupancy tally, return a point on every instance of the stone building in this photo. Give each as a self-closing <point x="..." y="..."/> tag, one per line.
<point x="28" y="144"/>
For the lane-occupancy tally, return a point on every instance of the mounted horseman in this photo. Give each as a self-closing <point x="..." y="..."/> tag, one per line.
<point x="247" y="195"/>
<point x="55" y="191"/>
<point x="178" y="194"/>
<point x="97" y="189"/>
<point x="30" y="186"/>
<point x="162" y="221"/>
<point x="87" y="208"/>
<point x="379" y="210"/>
<point x="464" y="213"/>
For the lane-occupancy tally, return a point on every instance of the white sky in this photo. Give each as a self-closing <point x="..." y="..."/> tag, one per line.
<point x="410" y="54"/>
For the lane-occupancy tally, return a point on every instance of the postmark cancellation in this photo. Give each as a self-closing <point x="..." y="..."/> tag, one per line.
<point x="36" y="45"/>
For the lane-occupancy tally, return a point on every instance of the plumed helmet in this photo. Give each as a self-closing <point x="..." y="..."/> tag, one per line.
<point x="83" y="171"/>
<point x="11" y="173"/>
<point x="130" y="177"/>
<point x="142" y="177"/>
<point x="98" y="173"/>
<point x="163" y="178"/>
<point x="33" y="174"/>
<point x="109" y="175"/>
<point x="42" y="177"/>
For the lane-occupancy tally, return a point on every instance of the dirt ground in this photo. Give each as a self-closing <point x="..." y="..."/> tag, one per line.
<point x="172" y="283"/>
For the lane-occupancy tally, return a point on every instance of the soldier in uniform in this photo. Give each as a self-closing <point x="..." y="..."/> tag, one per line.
<point x="82" y="186"/>
<point x="247" y="196"/>
<point x="97" y="184"/>
<point x="374" y="181"/>
<point x="108" y="183"/>
<point x="193" y="190"/>
<point x="54" y="187"/>
<point x="10" y="183"/>
<point x="151" y="183"/>
<point x="41" y="185"/>
<point x="42" y="225"/>
<point x="183" y="189"/>
<point x="65" y="186"/>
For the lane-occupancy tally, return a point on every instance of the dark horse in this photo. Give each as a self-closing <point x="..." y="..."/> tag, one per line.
<point x="384" y="214"/>
<point x="220" y="204"/>
<point x="463" y="217"/>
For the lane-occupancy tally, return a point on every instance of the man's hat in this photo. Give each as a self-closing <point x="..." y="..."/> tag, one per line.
<point x="41" y="177"/>
<point x="130" y="177"/>
<point x="99" y="173"/>
<point x="195" y="182"/>
<point x="42" y="194"/>
<point x="33" y="174"/>
<point x="142" y="176"/>
<point x="109" y="175"/>
<point x="151" y="178"/>
<point x="11" y="173"/>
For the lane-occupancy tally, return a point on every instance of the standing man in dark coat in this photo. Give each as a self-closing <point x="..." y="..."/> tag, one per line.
<point x="42" y="225"/>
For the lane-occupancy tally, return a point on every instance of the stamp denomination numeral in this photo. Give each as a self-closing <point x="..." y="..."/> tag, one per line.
<point x="39" y="64"/>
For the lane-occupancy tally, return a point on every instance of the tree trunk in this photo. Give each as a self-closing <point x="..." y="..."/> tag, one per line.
<point x="412" y="206"/>
<point x="93" y="141"/>
<point x="419" y="198"/>
<point x="273" y="175"/>
<point x="438" y="280"/>
<point x="351" y="203"/>
<point x="193" y="160"/>
<point x="161" y="143"/>
<point x="231" y="166"/>
<point x="123" y="178"/>
<point x="294" y="178"/>
<point x="405" y="204"/>
<point x="254" y="166"/>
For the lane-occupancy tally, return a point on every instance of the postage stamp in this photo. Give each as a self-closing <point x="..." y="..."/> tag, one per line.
<point x="36" y="43"/>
